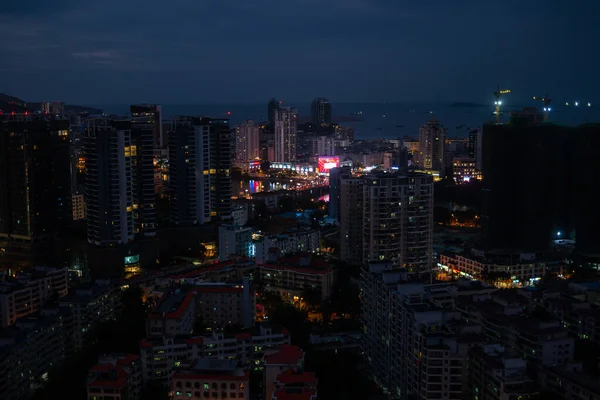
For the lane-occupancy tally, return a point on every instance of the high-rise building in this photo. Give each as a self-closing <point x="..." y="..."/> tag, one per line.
<point x="247" y="141"/>
<point x="321" y="111"/>
<point x="464" y="170"/>
<point x="109" y="162"/>
<point x="78" y="200"/>
<point x="474" y="146"/>
<point x="526" y="208"/>
<point x="351" y="220"/>
<point x="35" y="184"/>
<point x="274" y="105"/>
<point x="234" y="240"/>
<point x="413" y="343"/>
<point x="335" y="184"/>
<point x="286" y="120"/>
<point x="200" y="170"/>
<point x="143" y="136"/>
<point x="151" y="116"/>
<point x="432" y="139"/>
<point x="324" y="146"/>
<point x="398" y="220"/>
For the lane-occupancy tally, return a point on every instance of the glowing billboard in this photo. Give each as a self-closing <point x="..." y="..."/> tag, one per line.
<point x="328" y="162"/>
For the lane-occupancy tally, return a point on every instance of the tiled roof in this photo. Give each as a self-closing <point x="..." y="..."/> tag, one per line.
<point x="174" y="314"/>
<point x="303" y="394"/>
<point x="211" y="268"/>
<point x="128" y="359"/>
<point x="212" y="377"/>
<point x="119" y="380"/>
<point x="290" y="376"/>
<point x="287" y="355"/>
<point x="218" y="289"/>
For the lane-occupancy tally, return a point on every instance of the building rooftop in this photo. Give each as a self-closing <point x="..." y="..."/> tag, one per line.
<point x="107" y="376"/>
<point x="221" y="266"/>
<point x="285" y="355"/>
<point x="172" y="306"/>
<point x="216" y="369"/>
<point x="289" y="376"/>
<point x="302" y="263"/>
<point x="258" y="331"/>
<point x="292" y="393"/>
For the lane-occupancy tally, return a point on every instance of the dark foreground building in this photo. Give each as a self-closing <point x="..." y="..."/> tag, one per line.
<point x="539" y="185"/>
<point x="35" y="187"/>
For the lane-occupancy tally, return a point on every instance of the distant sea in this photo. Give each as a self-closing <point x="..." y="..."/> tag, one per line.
<point x="378" y="120"/>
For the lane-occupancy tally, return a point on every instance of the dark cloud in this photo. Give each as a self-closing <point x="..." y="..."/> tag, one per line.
<point x="234" y="50"/>
<point x="34" y="7"/>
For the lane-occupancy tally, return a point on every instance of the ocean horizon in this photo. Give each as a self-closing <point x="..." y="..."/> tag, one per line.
<point x="377" y="120"/>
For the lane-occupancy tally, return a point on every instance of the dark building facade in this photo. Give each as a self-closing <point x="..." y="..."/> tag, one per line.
<point x="119" y="181"/>
<point x="143" y="134"/>
<point x="335" y="185"/>
<point x="321" y="111"/>
<point x="35" y="184"/>
<point x="545" y="193"/>
<point x="200" y="158"/>
<point x="107" y="147"/>
<point x="273" y="105"/>
<point x="149" y="115"/>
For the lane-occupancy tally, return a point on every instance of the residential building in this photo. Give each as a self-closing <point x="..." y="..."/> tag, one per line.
<point x="26" y="294"/>
<point x="79" y="208"/>
<point x="336" y="175"/>
<point x="496" y="374"/>
<point x="398" y="220"/>
<point x="324" y="146"/>
<point x="286" y="120"/>
<point x="560" y="168"/>
<point x="464" y="170"/>
<point x="320" y="111"/>
<point x="227" y="271"/>
<point x="31" y="348"/>
<point x="292" y="277"/>
<point x="570" y="382"/>
<point x="351" y="219"/>
<point x="200" y="144"/>
<point x="412" y="145"/>
<point x="235" y="240"/>
<point x="295" y="385"/>
<point x="413" y="343"/>
<point x="291" y="242"/>
<point x="226" y="305"/>
<point x="505" y="318"/>
<point x="91" y="304"/>
<point x="575" y="307"/>
<point x="218" y="304"/>
<point x="150" y="116"/>
<point x="432" y="139"/>
<point x="160" y="355"/>
<point x="174" y="315"/>
<point x="115" y="377"/>
<point x="475" y="146"/>
<point x="210" y="378"/>
<point x="247" y="141"/>
<point x="146" y="134"/>
<point x="344" y="134"/>
<point x="272" y="107"/>
<point x="502" y="268"/>
<point x="242" y="211"/>
<point x="35" y="186"/>
<point x="278" y="359"/>
<point x="109" y="185"/>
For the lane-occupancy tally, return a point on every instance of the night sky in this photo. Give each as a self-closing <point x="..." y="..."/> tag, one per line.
<point x="246" y="51"/>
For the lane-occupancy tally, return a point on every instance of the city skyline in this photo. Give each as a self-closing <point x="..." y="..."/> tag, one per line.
<point x="390" y="51"/>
